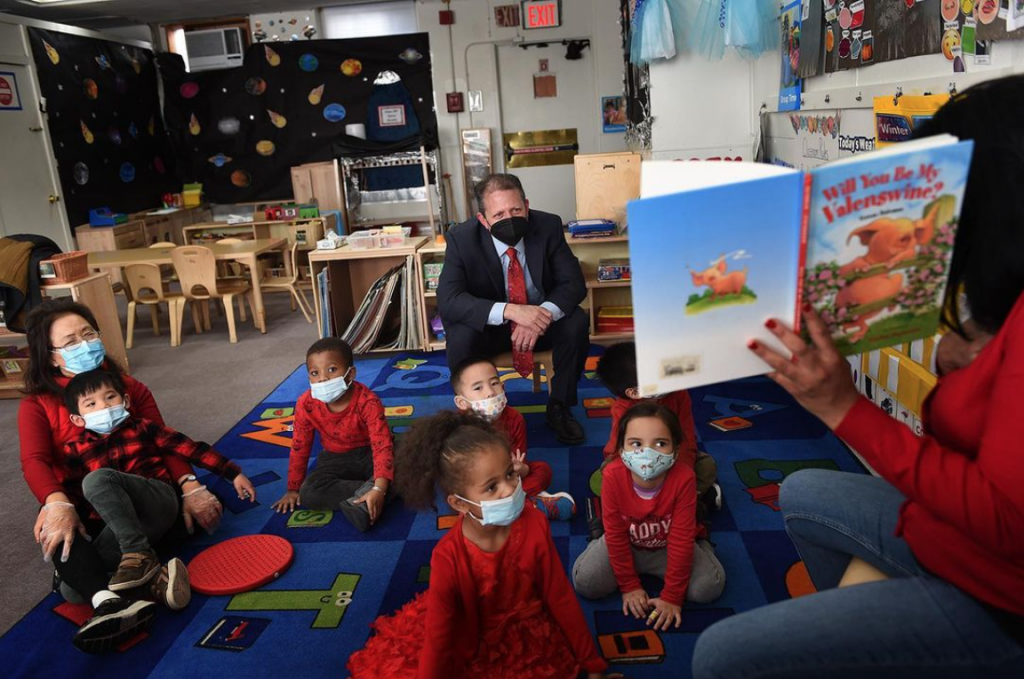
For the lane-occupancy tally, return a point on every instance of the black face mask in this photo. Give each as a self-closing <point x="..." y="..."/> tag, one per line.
<point x="510" y="231"/>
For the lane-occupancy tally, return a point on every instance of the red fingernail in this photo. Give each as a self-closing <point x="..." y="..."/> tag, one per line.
<point x="807" y="307"/>
<point x="752" y="345"/>
<point x="770" y="324"/>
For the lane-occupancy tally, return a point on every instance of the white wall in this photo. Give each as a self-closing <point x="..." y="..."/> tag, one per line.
<point x="465" y="58"/>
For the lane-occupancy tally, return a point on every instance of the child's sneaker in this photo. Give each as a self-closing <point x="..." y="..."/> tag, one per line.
<point x="114" y="621"/>
<point x="358" y="514"/>
<point x="135" y="570"/>
<point x="595" y="523"/>
<point x="556" y="506"/>
<point x="171" y="586"/>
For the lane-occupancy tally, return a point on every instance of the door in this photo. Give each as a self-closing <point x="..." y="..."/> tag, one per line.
<point x="29" y="198"/>
<point x="551" y="188"/>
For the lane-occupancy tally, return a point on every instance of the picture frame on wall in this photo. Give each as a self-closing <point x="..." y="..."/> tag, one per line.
<point x="613" y="114"/>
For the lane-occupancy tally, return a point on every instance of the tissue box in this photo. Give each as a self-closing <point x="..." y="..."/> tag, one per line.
<point x="330" y="243"/>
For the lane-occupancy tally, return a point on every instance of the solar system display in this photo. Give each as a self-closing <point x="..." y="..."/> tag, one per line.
<point x="240" y="131"/>
<point x="104" y="123"/>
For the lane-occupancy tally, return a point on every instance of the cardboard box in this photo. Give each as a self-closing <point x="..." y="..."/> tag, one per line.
<point x="605" y="182"/>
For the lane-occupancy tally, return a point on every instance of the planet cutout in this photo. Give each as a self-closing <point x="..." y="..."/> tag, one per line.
<point x="315" y="95"/>
<point x="308" y="63"/>
<point x="229" y="125"/>
<point x="92" y="90"/>
<point x="410" y="56"/>
<point x="52" y="53"/>
<point x="86" y="133"/>
<point x="133" y="130"/>
<point x="81" y="174"/>
<point x="158" y="165"/>
<point x="351" y="67"/>
<point x="334" y="113"/>
<point x="220" y="160"/>
<point x="273" y="58"/>
<point x="114" y="135"/>
<point x="120" y="84"/>
<point x="151" y="126"/>
<point x="265" y="148"/>
<point x="127" y="172"/>
<point x="255" y="86"/>
<point x="188" y="90"/>
<point x="136" y="65"/>
<point x="103" y="62"/>
<point x="193" y="126"/>
<point x="277" y="119"/>
<point x="241" y="178"/>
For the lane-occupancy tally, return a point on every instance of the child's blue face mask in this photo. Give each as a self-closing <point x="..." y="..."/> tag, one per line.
<point x="85" y="356"/>
<point x="500" y="512"/>
<point x="647" y="463"/>
<point x="107" y="420"/>
<point x="330" y="390"/>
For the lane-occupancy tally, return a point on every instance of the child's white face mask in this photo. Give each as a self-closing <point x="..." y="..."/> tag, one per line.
<point x="490" y="408"/>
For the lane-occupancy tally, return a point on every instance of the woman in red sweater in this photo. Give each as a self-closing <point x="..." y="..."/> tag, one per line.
<point x="63" y="341"/>
<point x="499" y="603"/>
<point x="920" y="573"/>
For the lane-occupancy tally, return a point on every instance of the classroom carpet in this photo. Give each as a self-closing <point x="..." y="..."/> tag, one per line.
<point x="309" y="620"/>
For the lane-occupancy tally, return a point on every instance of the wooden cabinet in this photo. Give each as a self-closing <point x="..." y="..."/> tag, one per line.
<point x="106" y="238"/>
<point x="167" y="227"/>
<point x="605" y="182"/>
<point x="320" y="181"/>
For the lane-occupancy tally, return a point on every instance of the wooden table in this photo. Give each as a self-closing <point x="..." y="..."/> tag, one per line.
<point x="245" y="252"/>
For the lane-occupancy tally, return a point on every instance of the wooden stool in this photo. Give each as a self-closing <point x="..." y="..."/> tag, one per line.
<point x="540" y="359"/>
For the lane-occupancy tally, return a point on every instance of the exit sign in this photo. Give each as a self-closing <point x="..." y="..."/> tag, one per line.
<point x="541" y="14"/>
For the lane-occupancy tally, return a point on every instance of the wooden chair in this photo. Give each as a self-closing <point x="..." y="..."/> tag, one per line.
<point x="147" y="287"/>
<point x="541" y="359"/>
<point x="168" y="271"/>
<point x="196" y="267"/>
<point x="288" y="284"/>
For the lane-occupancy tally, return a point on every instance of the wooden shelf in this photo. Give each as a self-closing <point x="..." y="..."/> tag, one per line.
<point x="621" y="238"/>
<point x="415" y="219"/>
<point x="592" y="282"/>
<point x="611" y="336"/>
<point x="430" y="293"/>
<point x="437" y="345"/>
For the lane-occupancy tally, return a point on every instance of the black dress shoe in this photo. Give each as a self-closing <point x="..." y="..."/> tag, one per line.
<point x="567" y="429"/>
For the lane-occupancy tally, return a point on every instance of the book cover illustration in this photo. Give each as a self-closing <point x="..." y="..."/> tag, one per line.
<point x="710" y="266"/>
<point x="880" y="240"/>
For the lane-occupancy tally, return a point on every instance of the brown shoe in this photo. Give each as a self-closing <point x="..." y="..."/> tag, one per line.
<point x="136" y="569"/>
<point x="171" y="586"/>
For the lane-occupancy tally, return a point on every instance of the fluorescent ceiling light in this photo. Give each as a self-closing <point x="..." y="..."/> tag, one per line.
<point x="47" y="3"/>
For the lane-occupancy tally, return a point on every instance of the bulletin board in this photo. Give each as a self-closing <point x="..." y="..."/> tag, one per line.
<point x="240" y="131"/>
<point x="104" y="120"/>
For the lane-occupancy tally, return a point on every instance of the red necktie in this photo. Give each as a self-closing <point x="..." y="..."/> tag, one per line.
<point x="522" y="361"/>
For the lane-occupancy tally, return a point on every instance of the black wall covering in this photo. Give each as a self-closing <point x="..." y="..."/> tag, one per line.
<point x="104" y="120"/>
<point x="240" y="130"/>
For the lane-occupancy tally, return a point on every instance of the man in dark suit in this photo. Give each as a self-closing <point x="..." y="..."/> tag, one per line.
<point x="510" y="281"/>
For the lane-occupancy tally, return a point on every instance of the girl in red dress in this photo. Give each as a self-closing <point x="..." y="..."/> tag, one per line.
<point x="499" y="603"/>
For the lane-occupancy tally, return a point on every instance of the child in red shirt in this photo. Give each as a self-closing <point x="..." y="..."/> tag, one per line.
<point x="478" y="389"/>
<point x="617" y="371"/>
<point x="354" y="469"/>
<point x="650" y="524"/>
<point x="499" y="604"/>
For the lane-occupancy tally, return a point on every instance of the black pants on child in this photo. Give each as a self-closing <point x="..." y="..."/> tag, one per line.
<point x="338" y="478"/>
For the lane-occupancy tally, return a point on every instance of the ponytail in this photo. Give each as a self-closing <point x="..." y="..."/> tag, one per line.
<point x="436" y="452"/>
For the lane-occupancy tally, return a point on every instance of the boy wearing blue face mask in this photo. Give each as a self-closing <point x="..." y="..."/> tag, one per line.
<point x="648" y="505"/>
<point x="118" y="462"/>
<point x="355" y="468"/>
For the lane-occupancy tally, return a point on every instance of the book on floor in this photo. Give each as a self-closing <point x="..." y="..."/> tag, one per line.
<point x="716" y="249"/>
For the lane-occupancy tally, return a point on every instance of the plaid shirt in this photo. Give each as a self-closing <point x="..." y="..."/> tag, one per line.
<point x="136" y="447"/>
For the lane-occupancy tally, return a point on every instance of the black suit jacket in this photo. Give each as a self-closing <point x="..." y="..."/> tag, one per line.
<point x="472" y="280"/>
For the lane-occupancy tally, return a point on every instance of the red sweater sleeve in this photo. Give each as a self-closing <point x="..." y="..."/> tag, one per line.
<point x="616" y="533"/>
<point x="174" y="444"/>
<point x="437" y="655"/>
<point x="561" y="602"/>
<point x="618" y="409"/>
<point x="683" y="407"/>
<point x="303" y="432"/>
<point x="515" y="428"/>
<point x="980" y="497"/>
<point x="371" y="410"/>
<point x="681" y="535"/>
<point x="37" y="449"/>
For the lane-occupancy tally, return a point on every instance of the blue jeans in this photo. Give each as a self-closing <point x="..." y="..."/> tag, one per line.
<point x="912" y="625"/>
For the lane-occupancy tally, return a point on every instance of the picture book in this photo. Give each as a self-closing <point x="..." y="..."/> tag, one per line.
<point x="716" y="249"/>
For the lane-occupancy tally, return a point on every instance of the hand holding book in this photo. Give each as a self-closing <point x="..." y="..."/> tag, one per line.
<point x="817" y="376"/>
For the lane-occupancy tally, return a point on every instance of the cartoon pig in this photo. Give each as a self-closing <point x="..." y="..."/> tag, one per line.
<point x="720" y="282"/>
<point x="889" y="242"/>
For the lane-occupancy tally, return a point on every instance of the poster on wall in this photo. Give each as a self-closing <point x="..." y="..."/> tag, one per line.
<point x="897" y="117"/>
<point x="476" y="163"/>
<point x="104" y="121"/>
<point x="10" y="98"/>
<point x="924" y="28"/>
<point x="889" y="32"/>
<point x="293" y="24"/>
<point x="541" y="148"/>
<point x="239" y="131"/>
<point x="849" y="34"/>
<point x="613" y="114"/>
<point x="812" y="40"/>
<point x="789" y="79"/>
<point x="857" y="133"/>
<point x="807" y="140"/>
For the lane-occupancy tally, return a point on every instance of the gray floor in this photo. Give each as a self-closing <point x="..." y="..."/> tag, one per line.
<point x="202" y="387"/>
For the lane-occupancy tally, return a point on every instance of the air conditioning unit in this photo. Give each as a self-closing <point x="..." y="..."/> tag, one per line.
<point x="217" y="48"/>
